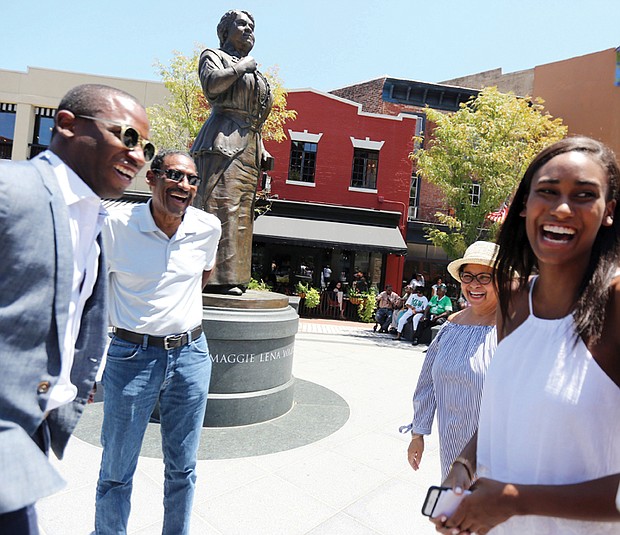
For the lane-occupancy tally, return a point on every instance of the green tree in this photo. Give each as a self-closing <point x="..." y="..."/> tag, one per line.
<point x="176" y="123"/>
<point x="490" y="142"/>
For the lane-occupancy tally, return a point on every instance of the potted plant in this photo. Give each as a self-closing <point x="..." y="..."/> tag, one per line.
<point x="258" y="285"/>
<point x="355" y="298"/>
<point x="301" y="289"/>
<point x="313" y="298"/>
<point x="366" y="306"/>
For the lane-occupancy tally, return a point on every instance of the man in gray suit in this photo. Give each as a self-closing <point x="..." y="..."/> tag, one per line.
<point x="52" y="296"/>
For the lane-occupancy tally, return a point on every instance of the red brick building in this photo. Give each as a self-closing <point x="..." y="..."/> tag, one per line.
<point x="392" y="96"/>
<point x="342" y="183"/>
<point x="343" y="131"/>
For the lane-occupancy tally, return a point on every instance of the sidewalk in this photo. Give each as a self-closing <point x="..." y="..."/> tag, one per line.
<point x="350" y="476"/>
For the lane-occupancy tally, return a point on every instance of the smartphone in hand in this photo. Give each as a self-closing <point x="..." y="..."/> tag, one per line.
<point x="441" y="501"/>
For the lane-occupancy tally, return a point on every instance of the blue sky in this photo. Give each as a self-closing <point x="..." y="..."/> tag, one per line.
<point x="323" y="44"/>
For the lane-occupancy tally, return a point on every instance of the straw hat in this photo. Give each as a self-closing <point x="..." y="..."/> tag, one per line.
<point x="480" y="252"/>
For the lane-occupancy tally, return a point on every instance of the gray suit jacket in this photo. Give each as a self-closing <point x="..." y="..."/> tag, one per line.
<point x="36" y="264"/>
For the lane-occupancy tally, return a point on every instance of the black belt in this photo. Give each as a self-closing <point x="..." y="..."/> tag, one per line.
<point x="171" y="341"/>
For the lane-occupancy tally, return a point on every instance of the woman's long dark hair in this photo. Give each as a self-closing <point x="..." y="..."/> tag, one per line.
<point x="516" y="259"/>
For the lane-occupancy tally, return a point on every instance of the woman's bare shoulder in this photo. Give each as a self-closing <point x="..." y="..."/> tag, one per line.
<point x="518" y="311"/>
<point x="467" y="317"/>
<point x="457" y="317"/>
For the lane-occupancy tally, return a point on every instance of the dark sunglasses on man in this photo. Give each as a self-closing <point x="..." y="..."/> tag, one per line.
<point x="177" y="176"/>
<point x="129" y="137"/>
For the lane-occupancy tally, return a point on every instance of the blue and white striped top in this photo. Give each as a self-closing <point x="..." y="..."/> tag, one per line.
<point x="450" y="384"/>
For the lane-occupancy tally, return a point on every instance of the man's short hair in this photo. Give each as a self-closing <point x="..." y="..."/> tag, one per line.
<point x="90" y="99"/>
<point x="158" y="161"/>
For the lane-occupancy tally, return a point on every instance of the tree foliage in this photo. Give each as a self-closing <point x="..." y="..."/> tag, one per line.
<point x="175" y="124"/>
<point x="490" y="141"/>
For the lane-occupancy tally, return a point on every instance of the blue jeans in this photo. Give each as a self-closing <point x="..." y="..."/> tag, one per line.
<point x="384" y="317"/>
<point x="134" y="379"/>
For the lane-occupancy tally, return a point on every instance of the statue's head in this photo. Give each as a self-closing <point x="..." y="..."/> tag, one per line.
<point x="236" y="28"/>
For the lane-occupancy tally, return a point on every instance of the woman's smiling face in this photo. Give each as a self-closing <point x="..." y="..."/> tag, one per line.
<point x="476" y="293"/>
<point x="565" y="208"/>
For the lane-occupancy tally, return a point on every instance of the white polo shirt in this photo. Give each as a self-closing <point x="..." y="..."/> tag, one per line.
<point x="156" y="281"/>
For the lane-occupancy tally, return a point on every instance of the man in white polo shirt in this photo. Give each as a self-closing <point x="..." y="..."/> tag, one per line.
<point x="159" y="256"/>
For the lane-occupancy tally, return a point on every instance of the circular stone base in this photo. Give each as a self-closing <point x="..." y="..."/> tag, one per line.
<point x="250" y="300"/>
<point x="251" y="342"/>
<point x="317" y="412"/>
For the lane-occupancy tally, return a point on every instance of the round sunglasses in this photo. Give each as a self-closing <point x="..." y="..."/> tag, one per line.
<point x="129" y="137"/>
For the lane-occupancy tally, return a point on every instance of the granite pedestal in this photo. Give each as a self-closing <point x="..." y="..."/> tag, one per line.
<point x="251" y="340"/>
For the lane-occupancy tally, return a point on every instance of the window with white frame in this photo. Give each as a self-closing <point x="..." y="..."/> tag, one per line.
<point x="365" y="164"/>
<point x="474" y="194"/>
<point x="302" y="163"/>
<point x="414" y="196"/>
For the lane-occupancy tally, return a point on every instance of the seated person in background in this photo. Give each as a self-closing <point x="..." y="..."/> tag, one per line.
<point x="417" y="280"/>
<point x="438" y="284"/>
<point x="400" y="308"/>
<point x="436" y="313"/>
<point x="386" y="301"/>
<point x="415" y="306"/>
<point x="335" y="295"/>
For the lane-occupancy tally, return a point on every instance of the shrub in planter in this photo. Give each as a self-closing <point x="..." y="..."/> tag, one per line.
<point x="261" y="285"/>
<point x="366" y="309"/>
<point x="301" y="289"/>
<point x="311" y="295"/>
<point x="313" y="298"/>
<point x="355" y="298"/>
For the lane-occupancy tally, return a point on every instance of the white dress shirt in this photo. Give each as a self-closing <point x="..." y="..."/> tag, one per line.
<point x="86" y="215"/>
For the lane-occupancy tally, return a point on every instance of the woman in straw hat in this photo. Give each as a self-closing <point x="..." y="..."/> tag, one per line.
<point x="450" y="383"/>
<point x="547" y="451"/>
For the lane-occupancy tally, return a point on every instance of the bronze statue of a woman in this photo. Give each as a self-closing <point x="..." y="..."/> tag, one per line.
<point x="228" y="150"/>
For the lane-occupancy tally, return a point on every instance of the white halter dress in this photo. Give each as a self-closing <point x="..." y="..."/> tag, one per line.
<point x="549" y="415"/>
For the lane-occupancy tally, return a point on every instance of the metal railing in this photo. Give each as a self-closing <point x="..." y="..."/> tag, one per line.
<point x="328" y="308"/>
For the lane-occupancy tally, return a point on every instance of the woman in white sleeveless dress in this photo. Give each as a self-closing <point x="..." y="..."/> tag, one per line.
<point x="547" y="453"/>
